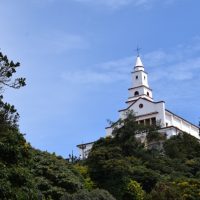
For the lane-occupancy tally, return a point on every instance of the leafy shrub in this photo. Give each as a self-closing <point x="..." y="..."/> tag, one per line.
<point x="133" y="191"/>
<point x="96" y="194"/>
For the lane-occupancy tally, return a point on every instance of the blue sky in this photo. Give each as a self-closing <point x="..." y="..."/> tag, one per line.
<point x="77" y="56"/>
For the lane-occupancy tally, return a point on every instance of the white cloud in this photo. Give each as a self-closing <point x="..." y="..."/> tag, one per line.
<point x="116" y="3"/>
<point x="119" y="3"/>
<point x="102" y="73"/>
<point x="92" y="77"/>
<point x="108" y="3"/>
<point x="113" y="4"/>
<point x="57" y="41"/>
<point x="44" y="42"/>
<point x="179" y="63"/>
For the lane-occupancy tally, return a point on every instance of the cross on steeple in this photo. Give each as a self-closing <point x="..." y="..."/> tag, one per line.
<point x="138" y="51"/>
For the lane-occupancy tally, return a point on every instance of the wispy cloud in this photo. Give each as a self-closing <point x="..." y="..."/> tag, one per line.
<point x="112" y="4"/>
<point x="58" y="41"/>
<point x="179" y="63"/>
<point x="120" y="3"/>
<point x="45" y="42"/>
<point x="103" y="73"/>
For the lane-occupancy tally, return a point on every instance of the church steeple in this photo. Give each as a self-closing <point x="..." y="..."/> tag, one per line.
<point x="140" y="86"/>
<point x="138" y="64"/>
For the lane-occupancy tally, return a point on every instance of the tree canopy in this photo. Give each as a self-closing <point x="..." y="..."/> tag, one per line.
<point x="7" y="69"/>
<point x="119" y="167"/>
<point x="122" y="164"/>
<point x="28" y="173"/>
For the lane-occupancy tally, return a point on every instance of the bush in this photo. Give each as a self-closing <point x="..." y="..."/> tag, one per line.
<point x="96" y="194"/>
<point x="133" y="191"/>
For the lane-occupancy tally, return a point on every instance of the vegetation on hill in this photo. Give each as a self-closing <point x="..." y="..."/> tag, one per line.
<point x="128" y="170"/>
<point x="27" y="173"/>
<point x="119" y="167"/>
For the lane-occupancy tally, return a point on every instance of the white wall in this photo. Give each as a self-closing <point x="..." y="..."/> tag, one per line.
<point x="109" y="131"/>
<point x="142" y="91"/>
<point x="170" y="131"/>
<point x="182" y="124"/>
<point x="84" y="153"/>
<point x="148" y="107"/>
<point x="141" y="80"/>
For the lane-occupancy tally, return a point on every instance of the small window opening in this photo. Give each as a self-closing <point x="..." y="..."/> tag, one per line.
<point x="147" y="93"/>
<point x="153" y="121"/>
<point x="136" y="77"/>
<point x="141" y="121"/>
<point x="144" y="77"/>
<point x="141" y="105"/>
<point x="136" y="93"/>
<point x="147" y="121"/>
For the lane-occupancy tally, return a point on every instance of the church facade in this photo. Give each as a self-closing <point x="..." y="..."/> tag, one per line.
<point x="147" y="111"/>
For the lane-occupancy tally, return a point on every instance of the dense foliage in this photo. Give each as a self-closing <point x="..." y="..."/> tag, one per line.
<point x="173" y="170"/>
<point x="96" y="194"/>
<point x="123" y="167"/>
<point x="7" y="69"/>
<point x="27" y="173"/>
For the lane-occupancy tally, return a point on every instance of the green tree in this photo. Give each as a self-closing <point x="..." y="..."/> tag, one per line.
<point x="114" y="161"/>
<point x="183" y="146"/>
<point x="83" y="170"/>
<point x="180" y="189"/>
<point x="96" y="194"/>
<point x="7" y="69"/>
<point x="133" y="191"/>
<point x="26" y="173"/>
<point x="164" y="191"/>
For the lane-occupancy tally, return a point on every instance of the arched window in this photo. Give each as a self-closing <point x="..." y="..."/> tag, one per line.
<point x="147" y="93"/>
<point x="136" y="77"/>
<point x="136" y="93"/>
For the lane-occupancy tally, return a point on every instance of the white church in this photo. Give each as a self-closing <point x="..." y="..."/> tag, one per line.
<point x="147" y="111"/>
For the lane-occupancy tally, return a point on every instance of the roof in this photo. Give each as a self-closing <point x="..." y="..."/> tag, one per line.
<point x="139" y="87"/>
<point x="181" y="118"/>
<point x="152" y="113"/>
<point x="138" y="71"/>
<point x="139" y="97"/>
<point x="137" y="100"/>
<point x="169" y="127"/>
<point x="79" y="145"/>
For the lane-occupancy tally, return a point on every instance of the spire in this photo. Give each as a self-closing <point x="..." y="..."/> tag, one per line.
<point x="138" y="62"/>
<point x="140" y="87"/>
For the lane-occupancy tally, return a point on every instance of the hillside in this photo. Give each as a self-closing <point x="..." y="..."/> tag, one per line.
<point x="129" y="170"/>
<point x="27" y="173"/>
<point x="119" y="167"/>
<point x="30" y="174"/>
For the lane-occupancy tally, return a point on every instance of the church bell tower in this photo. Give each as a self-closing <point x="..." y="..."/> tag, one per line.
<point x="140" y="86"/>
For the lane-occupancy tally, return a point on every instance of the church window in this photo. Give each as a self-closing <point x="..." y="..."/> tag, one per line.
<point x="147" y="121"/>
<point x="136" y="77"/>
<point x="141" y="121"/>
<point x="153" y="121"/>
<point x="166" y="124"/>
<point x="141" y="105"/>
<point x="136" y="93"/>
<point x="147" y="93"/>
<point x="144" y="77"/>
